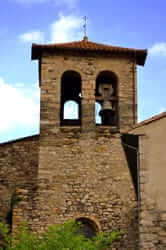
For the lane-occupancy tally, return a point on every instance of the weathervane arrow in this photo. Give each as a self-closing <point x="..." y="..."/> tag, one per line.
<point x="85" y="26"/>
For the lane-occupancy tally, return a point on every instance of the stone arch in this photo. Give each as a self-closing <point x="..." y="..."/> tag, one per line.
<point x="90" y="226"/>
<point x="107" y="75"/>
<point x="71" y="88"/>
<point x="106" y="93"/>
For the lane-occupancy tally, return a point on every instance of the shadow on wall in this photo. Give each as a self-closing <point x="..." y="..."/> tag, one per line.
<point x="130" y="145"/>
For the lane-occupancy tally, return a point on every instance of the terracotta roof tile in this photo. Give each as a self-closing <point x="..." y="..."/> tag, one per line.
<point x="147" y="121"/>
<point x="86" y="45"/>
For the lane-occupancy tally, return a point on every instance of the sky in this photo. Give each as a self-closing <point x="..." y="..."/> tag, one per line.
<point x="136" y="24"/>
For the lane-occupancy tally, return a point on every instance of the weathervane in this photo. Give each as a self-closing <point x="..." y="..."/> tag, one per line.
<point x="85" y="26"/>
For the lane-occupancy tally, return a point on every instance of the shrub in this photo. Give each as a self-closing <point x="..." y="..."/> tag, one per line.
<point x="57" y="237"/>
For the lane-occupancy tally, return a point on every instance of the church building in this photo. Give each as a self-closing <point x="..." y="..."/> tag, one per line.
<point x="88" y="164"/>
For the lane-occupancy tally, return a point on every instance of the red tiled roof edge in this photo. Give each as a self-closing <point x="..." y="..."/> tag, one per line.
<point x="86" y="45"/>
<point x="147" y="121"/>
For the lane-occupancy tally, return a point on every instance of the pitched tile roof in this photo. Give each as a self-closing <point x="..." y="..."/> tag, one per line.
<point x="31" y="137"/>
<point x="148" y="121"/>
<point x="85" y="46"/>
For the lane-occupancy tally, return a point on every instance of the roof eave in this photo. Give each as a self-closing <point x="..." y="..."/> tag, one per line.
<point x="35" y="55"/>
<point x="141" y="57"/>
<point x="37" y="50"/>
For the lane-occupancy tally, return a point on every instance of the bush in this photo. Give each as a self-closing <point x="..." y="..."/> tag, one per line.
<point x="57" y="237"/>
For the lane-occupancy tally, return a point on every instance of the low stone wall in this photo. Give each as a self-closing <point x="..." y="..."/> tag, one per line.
<point x="18" y="168"/>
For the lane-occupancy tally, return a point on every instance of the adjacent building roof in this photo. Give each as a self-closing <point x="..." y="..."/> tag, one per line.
<point x="148" y="121"/>
<point x="140" y="124"/>
<point x="88" y="46"/>
<point x="27" y="138"/>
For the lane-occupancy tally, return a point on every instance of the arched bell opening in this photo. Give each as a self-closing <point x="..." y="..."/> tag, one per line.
<point x="107" y="95"/>
<point x="70" y="113"/>
<point x="88" y="227"/>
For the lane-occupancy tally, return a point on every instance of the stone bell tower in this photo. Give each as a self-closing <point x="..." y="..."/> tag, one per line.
<point x="83" y="173"/>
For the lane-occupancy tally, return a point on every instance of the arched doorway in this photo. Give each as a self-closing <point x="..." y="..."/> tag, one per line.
<point x="88" y="227"/>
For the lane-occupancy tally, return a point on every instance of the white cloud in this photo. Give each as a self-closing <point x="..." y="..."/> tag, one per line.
<point x="32" y="36"/>
<point x="17" y="108"/>
<point x="158" y="49"/>
<point x="66" y="28"/>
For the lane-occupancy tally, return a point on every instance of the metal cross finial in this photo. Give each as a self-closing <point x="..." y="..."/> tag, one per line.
<point x="85" y="25"/>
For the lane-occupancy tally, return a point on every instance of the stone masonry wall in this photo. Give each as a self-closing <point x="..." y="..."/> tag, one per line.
<point x="83" y="170"/>
<point x="86" y="175"/>
<point x="18" y="169"/>
<point x="152" y="172"/>
<point x="52" y="68"/>
<point x="152" y="223"/>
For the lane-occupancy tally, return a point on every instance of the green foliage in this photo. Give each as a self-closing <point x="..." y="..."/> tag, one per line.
<point x="57" y="237"/>
<point x="4" y="236"/>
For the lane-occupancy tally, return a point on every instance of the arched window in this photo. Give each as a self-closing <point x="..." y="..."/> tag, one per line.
<point x="88" y="227"/>
<point x="70" y="113"/>
<point x="107" y="95"/>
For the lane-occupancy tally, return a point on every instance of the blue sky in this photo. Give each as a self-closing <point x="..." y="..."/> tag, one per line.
<point x="138" y="24"/>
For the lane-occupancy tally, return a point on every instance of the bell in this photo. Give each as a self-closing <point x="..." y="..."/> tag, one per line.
<point x="106" y="105"/>
<point x="106" y="113"/>
<point x="107" y="116"/>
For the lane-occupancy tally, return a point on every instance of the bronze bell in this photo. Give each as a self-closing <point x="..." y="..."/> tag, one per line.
<point x="107" y="113"/>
